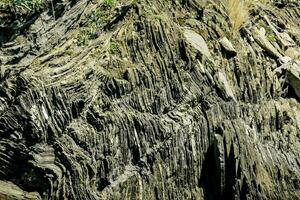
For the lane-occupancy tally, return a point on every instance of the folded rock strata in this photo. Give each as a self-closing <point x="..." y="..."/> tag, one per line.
<point x="138" y="100"/>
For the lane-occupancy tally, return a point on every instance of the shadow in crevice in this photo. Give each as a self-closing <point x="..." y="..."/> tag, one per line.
<point x="230" y="175"/>
<point x="5" y="35"/>
<point x="290" y="93"/>
<point x="210" y="175"/>
<point x="213" y="171"/>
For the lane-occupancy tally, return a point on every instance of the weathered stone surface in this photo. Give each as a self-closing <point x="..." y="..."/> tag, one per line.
<point x="262" y="40"/>
<point x="227" y="45"/>
<point x="197" y="42"/>
<point x="120" y="101"/>
<point x="293" y="75"/>
<point x="293" y="52"/>
<point x="224" y="85"/>
<point x="284" y="38"/>
<point x="284" y="59"/>
<point x="9" y="191"/>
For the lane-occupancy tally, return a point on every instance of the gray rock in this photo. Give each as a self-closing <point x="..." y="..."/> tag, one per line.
<point x="227" y="45"/>
<point x="259" y="36"/>
<point x="114" y="102"/>
<point x="10" y="191"/>
<point x="283" y="37"/>
<point x="293" y="75"/>
<point x="284" y="59"/>
<point x="224" y="85"/>
<point x="197" y="42"/>
<point x="293" y="52"/>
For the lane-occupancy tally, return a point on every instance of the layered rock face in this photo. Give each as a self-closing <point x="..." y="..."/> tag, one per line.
<point x="150" y="100"/>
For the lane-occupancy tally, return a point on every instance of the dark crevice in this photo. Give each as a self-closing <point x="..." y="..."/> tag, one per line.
<point x="291" y="94"/>
<point x="210" y="175"/>
<point x="230" y="175"/>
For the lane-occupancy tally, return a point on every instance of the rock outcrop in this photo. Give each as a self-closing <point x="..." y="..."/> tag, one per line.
<point x="144" y="100"/>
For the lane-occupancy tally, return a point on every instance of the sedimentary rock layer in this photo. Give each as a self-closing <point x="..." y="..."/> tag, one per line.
<point x="147" y="100"/>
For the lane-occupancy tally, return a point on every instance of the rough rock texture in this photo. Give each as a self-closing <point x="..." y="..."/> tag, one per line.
<point x="139" y="100"/>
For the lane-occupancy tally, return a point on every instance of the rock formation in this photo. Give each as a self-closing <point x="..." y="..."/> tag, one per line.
<point x="149" y="99"/>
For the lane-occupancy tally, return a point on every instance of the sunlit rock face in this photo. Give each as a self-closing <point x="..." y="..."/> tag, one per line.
<point x="149" y="100"/>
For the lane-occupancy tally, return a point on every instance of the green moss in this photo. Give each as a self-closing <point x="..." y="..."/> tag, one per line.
<point x="20" y="40"/>
<point x="114" y="48"/>
<point x="158" y="17"/>
<point x="86" y="34"/>
<point x="83" y="38"/>
<point x="70" y="52"/>
<point x="261" y="23"/>
<point x="97" y="18"/>
<point x="271" y="38"/>
<point x="110" y="3"/>
<point x="36" y="62"/>
<point x="23" y="6"/>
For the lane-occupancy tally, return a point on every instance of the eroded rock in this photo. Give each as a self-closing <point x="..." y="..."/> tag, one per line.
<point x="197" y="42"/>
<point x="227" y="45"/>
<point x="120" y="100"/>
<point x="293" y="75"/>
<point x="10" y="191"/>
<point x="262" y="40"/>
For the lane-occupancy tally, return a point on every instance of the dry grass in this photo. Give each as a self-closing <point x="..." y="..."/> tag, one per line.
<point x="238" y="11"/>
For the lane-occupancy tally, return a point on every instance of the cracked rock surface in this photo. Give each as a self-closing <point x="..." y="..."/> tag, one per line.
<point x="140" y="100"/>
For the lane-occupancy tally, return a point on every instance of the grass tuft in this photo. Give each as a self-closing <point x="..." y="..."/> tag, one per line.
<point x="238" y="13"/>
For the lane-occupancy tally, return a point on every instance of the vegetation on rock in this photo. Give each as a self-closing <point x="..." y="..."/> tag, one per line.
<point x="157" y="99"/>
